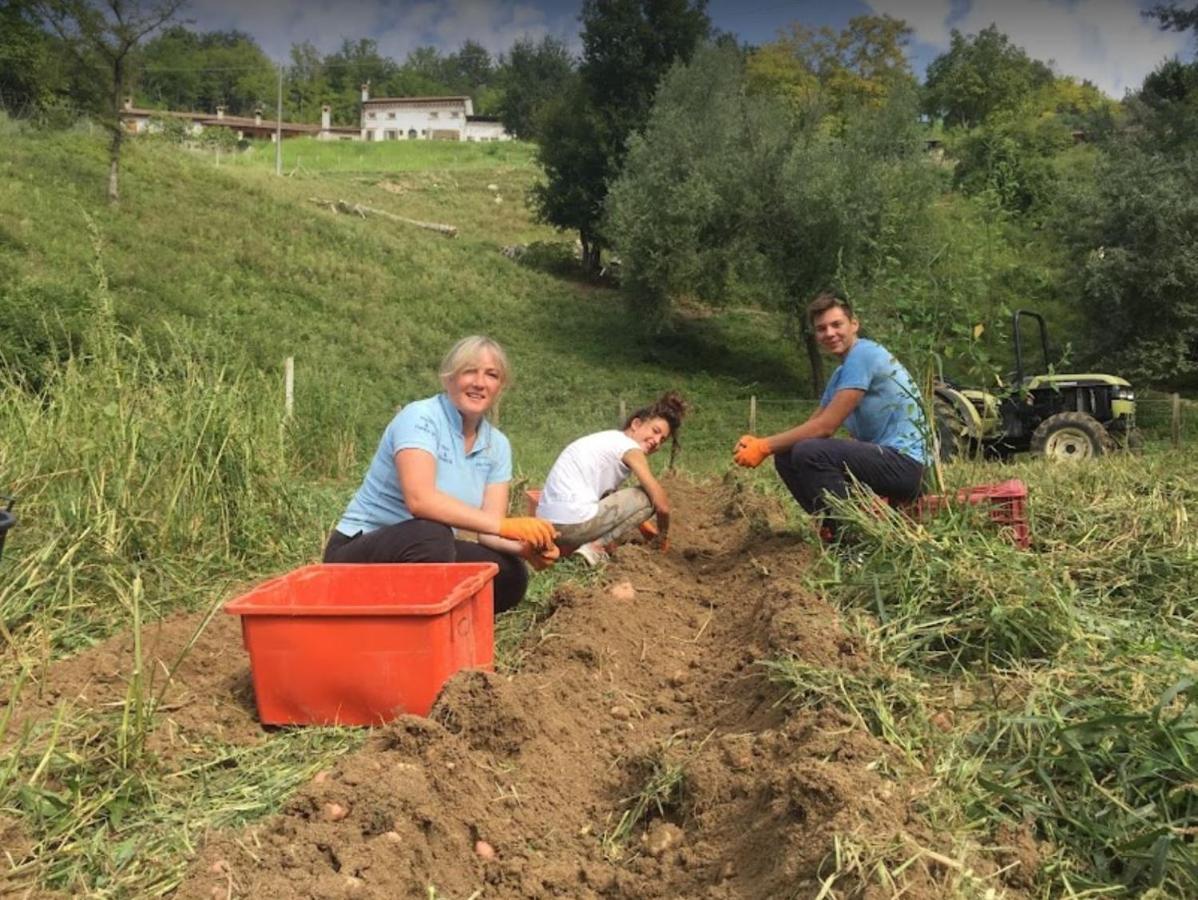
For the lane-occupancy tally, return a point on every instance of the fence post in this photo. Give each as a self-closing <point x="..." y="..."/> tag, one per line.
<point x="753" y="414"/>
<point x="623" y="413"/>
<point x="1176" y="429"/>
<point x="288" y="387"/>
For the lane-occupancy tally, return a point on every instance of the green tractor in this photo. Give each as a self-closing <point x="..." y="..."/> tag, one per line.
<point x="1049" y="414"/>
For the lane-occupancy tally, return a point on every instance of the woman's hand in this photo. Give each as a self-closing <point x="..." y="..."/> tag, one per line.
<point x="528" y="529"/>
<point x="541" y="559"/>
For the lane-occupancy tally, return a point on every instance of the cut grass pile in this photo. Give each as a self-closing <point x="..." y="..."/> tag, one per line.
<point x="1051" y="690"/>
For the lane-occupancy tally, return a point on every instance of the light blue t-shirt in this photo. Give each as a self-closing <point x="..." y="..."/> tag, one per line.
<point x="434" y="425"/>
<point x="891" y="412"/>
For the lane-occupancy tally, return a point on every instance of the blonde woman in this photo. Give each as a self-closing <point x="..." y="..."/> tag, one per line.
<point x="442" y="465"/>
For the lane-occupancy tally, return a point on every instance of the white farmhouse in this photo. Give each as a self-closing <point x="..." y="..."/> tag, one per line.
<point x="426" y="118"/>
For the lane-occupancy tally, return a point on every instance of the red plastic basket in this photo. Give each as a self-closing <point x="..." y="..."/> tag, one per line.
<point x="1006" y="503"/>
<point x="351" y="644"/>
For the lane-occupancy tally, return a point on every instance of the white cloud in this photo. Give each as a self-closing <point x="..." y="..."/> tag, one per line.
<point x="1106" y="41"/>
<point x="398" y="27"/>
<point x="928" y="18"/>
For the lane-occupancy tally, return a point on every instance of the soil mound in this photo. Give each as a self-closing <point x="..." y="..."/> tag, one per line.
<point x="639" y="751"/>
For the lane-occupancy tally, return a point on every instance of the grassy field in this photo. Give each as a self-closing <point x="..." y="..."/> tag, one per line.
<point x="142" y="412"/>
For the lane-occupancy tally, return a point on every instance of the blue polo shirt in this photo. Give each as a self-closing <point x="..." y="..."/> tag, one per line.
<point x="891" y="412"/>
<point x="434" y="425"/>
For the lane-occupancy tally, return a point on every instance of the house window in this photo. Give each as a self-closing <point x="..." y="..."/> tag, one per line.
<point x="370" y="115"/>
<point x="454" y="114"/>
<point x="411" y="134"/>
<point x="390" y="135"/>
<point x="423" y="132"/>
<point x="391" y="115"/>
<point x="434" y="115"/>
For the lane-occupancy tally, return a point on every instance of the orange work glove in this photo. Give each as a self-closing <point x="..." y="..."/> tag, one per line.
<point x="541" y="559"/>
<point x="531" y="530"/>
<point x="751" y="451"/>
<point x="650" y="534"/>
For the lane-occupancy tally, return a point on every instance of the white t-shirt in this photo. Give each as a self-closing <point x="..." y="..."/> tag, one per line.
<point x="584" y="472"/>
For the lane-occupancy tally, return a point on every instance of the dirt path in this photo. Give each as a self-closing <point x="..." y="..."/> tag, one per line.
<point x="540" y="765"/>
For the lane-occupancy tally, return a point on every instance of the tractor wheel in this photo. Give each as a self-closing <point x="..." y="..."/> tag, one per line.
<point x="952" y="440"/>
<point x="1070" y="435"/>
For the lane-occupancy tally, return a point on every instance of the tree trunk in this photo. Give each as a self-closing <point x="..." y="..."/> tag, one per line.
<point x="591" y="252"/>
<point x="118" y="131"/>
<point x="814" y="359"/>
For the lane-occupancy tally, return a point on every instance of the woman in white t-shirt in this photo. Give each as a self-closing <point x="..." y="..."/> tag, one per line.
<point x="581" y="496"/>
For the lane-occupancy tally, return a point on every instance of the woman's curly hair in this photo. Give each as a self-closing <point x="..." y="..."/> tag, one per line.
<point x="669" y="406"/>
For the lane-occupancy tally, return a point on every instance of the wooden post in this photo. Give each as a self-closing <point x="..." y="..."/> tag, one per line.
<point x="288" y="387"/>
<point x="1176" y="430"/>
<point x="623" y="413"/>
<point x="753" y="414"/>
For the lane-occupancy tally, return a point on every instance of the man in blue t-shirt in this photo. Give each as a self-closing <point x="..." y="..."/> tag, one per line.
<point x="876" y="401"/>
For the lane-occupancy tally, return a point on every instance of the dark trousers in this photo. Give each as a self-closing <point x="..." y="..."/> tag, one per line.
<point x="421" y="541"/>
<point x="815" y="468"/>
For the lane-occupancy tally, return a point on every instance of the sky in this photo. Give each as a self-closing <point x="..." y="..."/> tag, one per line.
<point x="1106" y="41"/>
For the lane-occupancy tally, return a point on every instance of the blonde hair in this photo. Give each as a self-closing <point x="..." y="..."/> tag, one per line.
<point x="467" y="352"/>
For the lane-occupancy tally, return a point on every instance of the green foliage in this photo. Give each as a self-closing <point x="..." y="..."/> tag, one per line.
<point x="979" y="75"/>
<point x="531" y="76"/>
<point x="724" y="198"/>
<point x="26" y="72"/>
<point x="185" y="70"/>
<point x="1130" y="237"/>
<point x="820" y="70"/>
<point x="1166" y="106"/>
<point x="1049" y="690"/>
<point x="628" y="45"/>
<point x="1010" y="158"/>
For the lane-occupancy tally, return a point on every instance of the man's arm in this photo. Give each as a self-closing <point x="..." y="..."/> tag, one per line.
<point x="822" y="423"/>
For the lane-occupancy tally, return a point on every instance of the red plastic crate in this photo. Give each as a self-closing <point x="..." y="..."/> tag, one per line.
<point x="353" y="644"/>
<point x="1006" y="503"/>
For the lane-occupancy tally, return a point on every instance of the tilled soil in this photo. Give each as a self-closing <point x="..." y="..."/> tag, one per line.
<point x="515" y="785"/>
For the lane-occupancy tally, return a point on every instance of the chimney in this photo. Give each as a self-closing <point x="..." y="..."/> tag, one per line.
<point x="326" y="117"/>
<point x="365" y="91"/>
<point x="258" y="115"/>
<point x="128" y="103"/>
<point x="220" y="112"/>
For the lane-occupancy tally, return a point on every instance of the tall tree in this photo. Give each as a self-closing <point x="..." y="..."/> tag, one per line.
<point x="979" y="75"/>
<point x="628" y="45"/>
<point x="1178" y="18"/>
<point x="723" y="198"/>
<point x="24" y="53"/>
<point x="530" y="76"/>
<point x="307" y="83"/>
<point x="862" y="63"/>
<point x="354" y="64"/>
<point x="103" y="36"/>
<point x="470" y="70"/>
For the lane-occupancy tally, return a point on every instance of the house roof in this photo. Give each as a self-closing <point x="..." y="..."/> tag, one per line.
<point x="235" y="121"/>
<point x="404" y="100"/>
<point x="132" y="111"/>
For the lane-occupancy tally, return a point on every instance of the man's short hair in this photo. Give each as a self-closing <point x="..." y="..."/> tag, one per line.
<point x="825" y="301"/>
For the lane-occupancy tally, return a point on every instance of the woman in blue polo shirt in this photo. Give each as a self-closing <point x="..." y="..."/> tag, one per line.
<point x="442" y="465"/>
<point x="874" y="397"/>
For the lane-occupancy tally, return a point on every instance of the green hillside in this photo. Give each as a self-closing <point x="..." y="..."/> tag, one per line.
<point x="244" y="264"/>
